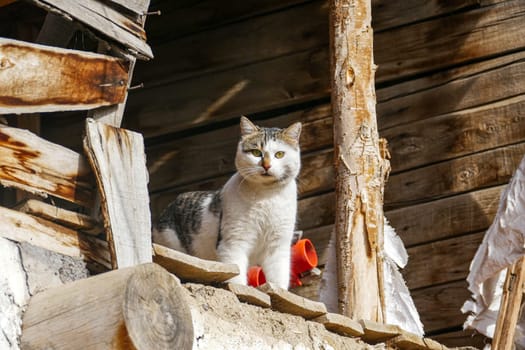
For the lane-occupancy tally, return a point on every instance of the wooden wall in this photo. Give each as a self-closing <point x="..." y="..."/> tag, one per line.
<point x="451" y="102"/>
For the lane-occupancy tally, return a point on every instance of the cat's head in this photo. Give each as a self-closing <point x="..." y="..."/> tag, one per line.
<point x="268" y="155"/>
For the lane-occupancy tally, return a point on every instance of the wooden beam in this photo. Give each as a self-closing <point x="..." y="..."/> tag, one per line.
<point x="510" y="307"/>
<point x="105" y="20"/>
<point x="193" y="269"/>
<point x="118" y="161"/>
<point x="36" y="78"/>
<point x="139" y="308"/>
<point x="33" y="164"/>
<point x="73" y="220"/>
<point x="360" y="168"/>
<point x="21" y="227"/>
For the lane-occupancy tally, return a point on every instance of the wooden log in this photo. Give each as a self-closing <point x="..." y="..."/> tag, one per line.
<point x="103" y="19"/>
<point x="249" y="295"/>
<point x="71" y="219"/>
<point x="21" y="227"/>
<point x="509" y="310"/>
<point x="287" y="302"/>
<point x="193" y="269"/>
<point x="135" y="308"/>
<point x="340" y="324"/>
<point x="359" y="167"/>
<point x="118" y="160"/>
<point x="60" y="79"/>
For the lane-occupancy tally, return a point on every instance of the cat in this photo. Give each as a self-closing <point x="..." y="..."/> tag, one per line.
<point x="249" y="221"/>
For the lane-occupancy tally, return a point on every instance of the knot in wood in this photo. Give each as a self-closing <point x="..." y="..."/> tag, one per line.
<point x="5" y="63"/>
<point x="350" y="77"/>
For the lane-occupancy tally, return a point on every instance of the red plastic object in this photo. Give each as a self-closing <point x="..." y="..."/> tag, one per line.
<point x="303" y="258"/>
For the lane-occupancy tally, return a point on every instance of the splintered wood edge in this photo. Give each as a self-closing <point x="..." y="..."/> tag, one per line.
<point x="287" y="302"/>
<point x="68" y="218"/>
<point x="375" y="332"/>
<point x="249" y="294"/>
<point x="340" y="324"/>
<point x="192" y="269"/>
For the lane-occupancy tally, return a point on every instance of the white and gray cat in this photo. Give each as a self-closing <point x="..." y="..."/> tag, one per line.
<point x="249" y="221"/>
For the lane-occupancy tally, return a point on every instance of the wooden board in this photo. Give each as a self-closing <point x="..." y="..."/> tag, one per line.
<point x="192" y="269"/>
<point x="440" y="305"/>
<point x="459" y="338"/>
<point x="407" y="341"/>
<point x="249" y="295"/>
<point x="20" y="227"/>
<point x="375" y="332"/>
<point x="440" y="262"/>
<point x="457" y="134"/>
<point x="33" y="164"/>
<point x="36" y="78"/>
<point x="447" y="217"/>
<point x="480" y="170"/>
<point x="287" y="302"/>
<point x="340" y="324"/>
<point x="137" y="6"/>
<point x="104" y="20"/>
<point x="118" y="161"/>
<point x="61" y="216"/>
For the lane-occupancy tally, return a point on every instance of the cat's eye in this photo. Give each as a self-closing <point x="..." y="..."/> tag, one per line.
<point x="279" y="154"/>
<point x="256" y="152"/>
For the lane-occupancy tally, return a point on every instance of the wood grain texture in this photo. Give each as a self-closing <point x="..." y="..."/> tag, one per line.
<point x="134" y="308"/>
<point x="21" y="227"/>
<point x="71" y="219"/>
<point x="447" y="217"/>
<point x="287" y="302"/>
<point x="137" y="6"/>
<point x="118" y="161"/>
<point x="480" y="170"/>
<point x="340" y="324"/>
<point x="442" y="261"/>
<point x="105" y="20"/>
<point x="37" y="78"/>
<point x="193" y="269"/>
<point x="33" y="164"/>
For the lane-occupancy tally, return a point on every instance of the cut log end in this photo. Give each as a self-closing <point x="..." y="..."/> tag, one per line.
<point x="155" y="317"/>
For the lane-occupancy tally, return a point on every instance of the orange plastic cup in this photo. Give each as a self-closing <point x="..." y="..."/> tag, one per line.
<point x="256" y="276"/>
<point x="304" y="258"/>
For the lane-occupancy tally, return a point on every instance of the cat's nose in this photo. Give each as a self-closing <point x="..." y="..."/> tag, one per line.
<point x="266" y="165"/>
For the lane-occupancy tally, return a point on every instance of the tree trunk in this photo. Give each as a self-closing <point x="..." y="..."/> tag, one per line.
<point x="359" y="163"/>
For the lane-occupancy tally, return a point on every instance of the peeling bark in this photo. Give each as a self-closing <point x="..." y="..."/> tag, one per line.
<point x="359" y="162"/>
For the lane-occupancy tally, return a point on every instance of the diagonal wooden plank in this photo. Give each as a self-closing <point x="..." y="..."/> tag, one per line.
<point x="37" y="78"/>
<point x="32" y="164"/>
<point x="103" y="19"/>
<point x="118" y="160"/>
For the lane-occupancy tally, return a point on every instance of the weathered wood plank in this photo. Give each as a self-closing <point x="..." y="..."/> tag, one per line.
<point x="137" y="6"/>
<point x="442" y="261"/>
<point x="455" y="89"/>
<point x="21" y="227"/>
<point x="441" y="305"/>
<point x="450" y="40"/>
<point x="457" y="134"/>
<point x="447" y="217"/>
<point x="37" y="78"/>
<point x="287" y="302"/>
<point x="249" y="295"/>
<point x="228" y="94"/>
<point x="485" y="169"/>
<point x="105" y="20"/>
<point x="118" y="160"/>
<point x="462" y="338"/>
<point x="33" y="164"/>
<point x="375" y="332"/>
<point x="61" y="216"/>
<point x="193" y="269"/>
<point x="340" y="324"/>
<point x="407" y="341"/>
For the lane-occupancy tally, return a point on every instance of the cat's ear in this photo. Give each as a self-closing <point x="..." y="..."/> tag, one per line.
<point x="247" y="127"/>
<point x="293" y="131"/>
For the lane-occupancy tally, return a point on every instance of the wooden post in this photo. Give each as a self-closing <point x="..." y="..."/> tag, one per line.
<point x="360" y="168"/>
<point x="510" y="307"/>
<point x="141" y="307"/>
